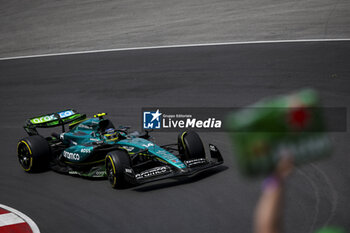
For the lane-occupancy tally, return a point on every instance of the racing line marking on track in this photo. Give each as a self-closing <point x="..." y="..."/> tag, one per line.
<point x="13" y="221"/>
<point x="175" y="46"/>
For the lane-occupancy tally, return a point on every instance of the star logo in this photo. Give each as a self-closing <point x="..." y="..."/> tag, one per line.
<point x="151" y="120"/>
<point x="156" y="115"/>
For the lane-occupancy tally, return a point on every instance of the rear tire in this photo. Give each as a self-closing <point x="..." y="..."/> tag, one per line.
<point x="116" y="162"/>
<point x="34" y="153"/>
<point x="190" y="145"/>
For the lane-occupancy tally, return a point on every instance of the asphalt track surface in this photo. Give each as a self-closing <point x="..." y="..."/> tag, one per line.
<point x="43" y="26"/>
<point x="121" y="83"/>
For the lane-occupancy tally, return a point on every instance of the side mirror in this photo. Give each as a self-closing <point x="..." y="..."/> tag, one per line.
<point x="147" y="133"/>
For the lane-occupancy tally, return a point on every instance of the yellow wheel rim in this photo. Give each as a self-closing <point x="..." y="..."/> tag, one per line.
<point x="24" y="154"/>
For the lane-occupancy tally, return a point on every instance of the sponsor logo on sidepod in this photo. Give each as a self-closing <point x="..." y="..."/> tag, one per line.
<point x="69" y="155"/>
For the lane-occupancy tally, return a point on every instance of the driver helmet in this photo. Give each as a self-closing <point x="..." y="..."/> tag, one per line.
<point x="110" y="134"/>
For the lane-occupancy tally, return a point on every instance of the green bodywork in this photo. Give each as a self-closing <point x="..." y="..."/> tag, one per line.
<point x="85" y="137"/>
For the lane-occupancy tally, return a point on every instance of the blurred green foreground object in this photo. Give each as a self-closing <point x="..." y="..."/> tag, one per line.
<point x="331" y="230"/>
<point x="265" y="131"/>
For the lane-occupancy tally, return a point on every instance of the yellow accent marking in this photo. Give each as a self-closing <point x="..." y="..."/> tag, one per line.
<point x="30" y="151"/>
<point x="74" y="123"/>
<point x="114" y="178"/>
<point x="31" y="159"/>
<point x="100" y="114"/>
<point x="182" y="139"/>
<point x="161" y="160"/>
<point x="112" y="139"/>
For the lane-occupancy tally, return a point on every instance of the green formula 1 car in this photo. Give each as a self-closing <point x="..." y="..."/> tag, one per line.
<point x="93" y="147"/>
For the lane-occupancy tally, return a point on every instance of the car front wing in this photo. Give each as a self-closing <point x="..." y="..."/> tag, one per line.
<point x="193" y="167"/>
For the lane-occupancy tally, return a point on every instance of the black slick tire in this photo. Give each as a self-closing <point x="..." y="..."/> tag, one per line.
<point x="33" y="153"/>
<point x="116" y="162"/>
<point x="190" y="145"/>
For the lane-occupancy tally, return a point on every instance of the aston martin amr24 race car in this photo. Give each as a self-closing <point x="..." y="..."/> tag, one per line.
<point x="94" y="147"/>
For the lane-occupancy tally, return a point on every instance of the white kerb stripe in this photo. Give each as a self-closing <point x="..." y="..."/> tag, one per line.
<point x="30" y="222"/>
<point x="9" y="219"/>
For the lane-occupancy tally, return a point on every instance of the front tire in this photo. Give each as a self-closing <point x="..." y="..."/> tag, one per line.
<point x="116" y="162"/>
<point x="190" y="145"/>
<point x="33" y="153"/>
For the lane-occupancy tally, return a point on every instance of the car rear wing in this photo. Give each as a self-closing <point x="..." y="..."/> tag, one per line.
<point x="53" y="120"/>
